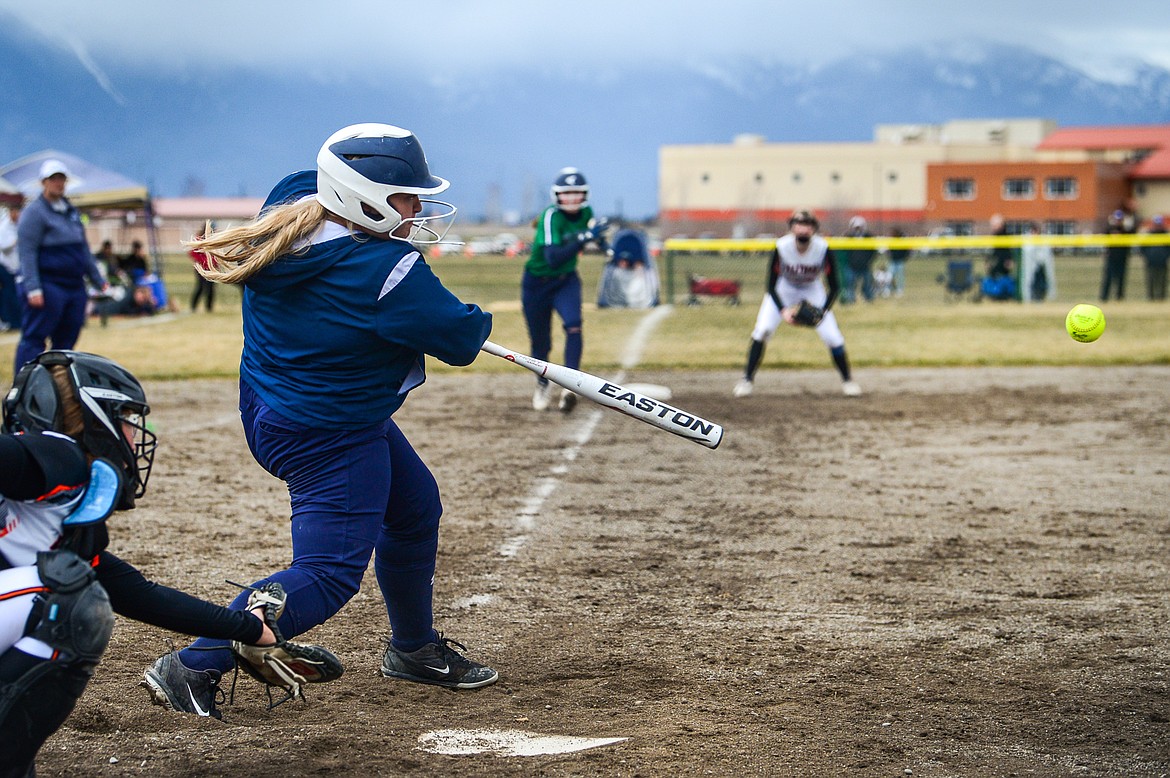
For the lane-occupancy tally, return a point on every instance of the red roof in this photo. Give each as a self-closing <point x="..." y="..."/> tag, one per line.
<point x="1148" y="136"/>
<point x="1152" y="138"/>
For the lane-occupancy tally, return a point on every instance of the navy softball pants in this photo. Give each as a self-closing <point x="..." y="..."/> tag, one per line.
<point x="59" y="321"/>
<point x="354" y="493"/>
<point x="540" y="296"/>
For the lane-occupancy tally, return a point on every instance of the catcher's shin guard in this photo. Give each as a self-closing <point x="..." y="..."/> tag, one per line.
<point x="75" y="619"/>
<point x="36" y="696"/>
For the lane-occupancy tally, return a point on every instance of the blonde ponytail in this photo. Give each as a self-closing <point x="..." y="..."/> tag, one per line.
<point x="236" y="254"/>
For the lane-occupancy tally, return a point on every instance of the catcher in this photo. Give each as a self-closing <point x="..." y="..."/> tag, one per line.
<point x="76" y="448"/>
<point x="797" y="296"/>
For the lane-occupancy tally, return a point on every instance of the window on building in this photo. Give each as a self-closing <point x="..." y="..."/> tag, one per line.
<point x="959" y="189"/>
<point x="1019" y="189"/>
<point x="1016" y="227"/>
<point x="1060" y="188"/>
<point x="1060" y="227"/>
<point x="961" y="228"/>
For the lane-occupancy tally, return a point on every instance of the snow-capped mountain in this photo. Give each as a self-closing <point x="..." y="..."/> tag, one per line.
<point x="501" y="136"/>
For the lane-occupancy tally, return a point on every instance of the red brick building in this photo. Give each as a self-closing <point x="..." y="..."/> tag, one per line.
<point x="955" y="175"/>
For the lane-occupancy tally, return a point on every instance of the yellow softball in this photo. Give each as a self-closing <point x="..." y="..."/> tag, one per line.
<point x="1085" y="323"/>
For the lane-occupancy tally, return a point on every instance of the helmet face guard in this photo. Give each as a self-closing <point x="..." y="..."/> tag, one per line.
<point x="113" y="411"/>
<point x="359" y="167"/>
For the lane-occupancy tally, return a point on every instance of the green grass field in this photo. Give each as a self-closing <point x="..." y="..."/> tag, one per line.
<point x="919" y="329"/>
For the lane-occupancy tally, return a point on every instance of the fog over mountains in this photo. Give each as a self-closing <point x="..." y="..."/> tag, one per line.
<point x="501" y="135"/>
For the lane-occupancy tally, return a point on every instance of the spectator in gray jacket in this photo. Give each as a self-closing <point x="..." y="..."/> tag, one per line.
<point x="55" y="263"/>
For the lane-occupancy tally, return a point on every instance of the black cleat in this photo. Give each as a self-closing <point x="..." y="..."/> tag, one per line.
<point x="438" y="664"/>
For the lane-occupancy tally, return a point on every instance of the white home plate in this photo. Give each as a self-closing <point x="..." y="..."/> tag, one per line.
<point x="653" y="391"/>
<point x="506" y="742"/>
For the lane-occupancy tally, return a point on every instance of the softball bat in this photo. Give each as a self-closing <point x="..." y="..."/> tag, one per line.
<point x="619" y="398"/>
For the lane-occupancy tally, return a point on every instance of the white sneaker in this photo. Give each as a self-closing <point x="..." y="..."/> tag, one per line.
<point x="742" y="389"/>
<point x="542" y="398"/>
<point x="851" y="389"/>
<point x="568" y="401"/>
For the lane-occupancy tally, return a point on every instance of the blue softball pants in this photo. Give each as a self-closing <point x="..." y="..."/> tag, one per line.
<point x="540" y="296"/>
<point x="58" y="321"/>
<point x="354" y="493"/>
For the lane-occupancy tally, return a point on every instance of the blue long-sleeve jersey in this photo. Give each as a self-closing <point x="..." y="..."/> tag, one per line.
<point x="335" y="335"/>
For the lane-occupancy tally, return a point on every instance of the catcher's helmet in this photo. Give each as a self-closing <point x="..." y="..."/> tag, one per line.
<point x="113" y="411"/>
<point x="360" y="166"/>
<point x="569" y="181"/>
<point x="804" y="217"/>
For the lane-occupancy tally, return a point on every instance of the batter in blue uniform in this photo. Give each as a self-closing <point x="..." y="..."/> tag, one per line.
<point x="339" y="309"/>
<point x="551" y="282"/>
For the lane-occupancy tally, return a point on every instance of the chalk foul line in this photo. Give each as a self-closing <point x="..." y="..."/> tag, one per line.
<point x="546" y="485"/>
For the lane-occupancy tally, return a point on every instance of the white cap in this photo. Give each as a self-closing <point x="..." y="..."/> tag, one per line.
<point x="51" y="167"/>
<point x="857" y="221"/>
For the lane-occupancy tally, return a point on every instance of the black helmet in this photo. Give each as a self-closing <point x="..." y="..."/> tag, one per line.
<point x="113" y="410"/>
<point x="804" y="217"/>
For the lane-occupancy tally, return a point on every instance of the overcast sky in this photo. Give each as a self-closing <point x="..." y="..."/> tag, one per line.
<point x="416" y="40"/>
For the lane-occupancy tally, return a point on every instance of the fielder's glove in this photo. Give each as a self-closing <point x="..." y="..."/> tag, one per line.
<point x="596" y="231"/>
<point x="807" y="314"/>
<point x="285" y="664"/>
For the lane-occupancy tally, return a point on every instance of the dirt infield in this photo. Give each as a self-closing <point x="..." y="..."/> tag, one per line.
<point x="963" y="572"/>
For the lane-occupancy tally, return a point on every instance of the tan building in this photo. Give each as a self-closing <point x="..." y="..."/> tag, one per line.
<point x="920" y="177"/>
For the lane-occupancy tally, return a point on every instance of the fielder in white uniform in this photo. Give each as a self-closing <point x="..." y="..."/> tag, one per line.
<point x="799" y="261"/>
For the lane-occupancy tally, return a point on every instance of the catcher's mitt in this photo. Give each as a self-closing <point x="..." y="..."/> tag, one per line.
<point x="285" y="664"/>
<point x="807" y="314"/>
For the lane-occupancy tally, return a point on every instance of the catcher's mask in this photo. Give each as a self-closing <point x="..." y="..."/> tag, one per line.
<point x="112" y="409"/>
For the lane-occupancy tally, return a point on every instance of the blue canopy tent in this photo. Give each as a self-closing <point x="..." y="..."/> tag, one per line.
<point x="90" y="188"/>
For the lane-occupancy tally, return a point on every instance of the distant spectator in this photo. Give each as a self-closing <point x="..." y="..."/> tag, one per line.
<point x="1001" y="263"/>
<point x="9" y="266"/>
<point x="856" y="264"/>
<point x="133" y="300"/>
<point x="55" y="262"/>
<point x="204" y="289"/>
<point x="106" y="258"/>
<point x="142" y="302"/>
<point x="1000" y="281"/>
<point x="1156" y="258"/>
<point x="898" y="257"/>
<point x="111" y="266"/>
<point x="135" y="263"/>
<point x="1037" y="270"/>
<point x="1116" y="257"/>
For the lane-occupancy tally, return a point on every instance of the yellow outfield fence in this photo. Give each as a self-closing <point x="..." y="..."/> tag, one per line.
<point x="689" y="263"/>
<point x="949" y="242"/>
